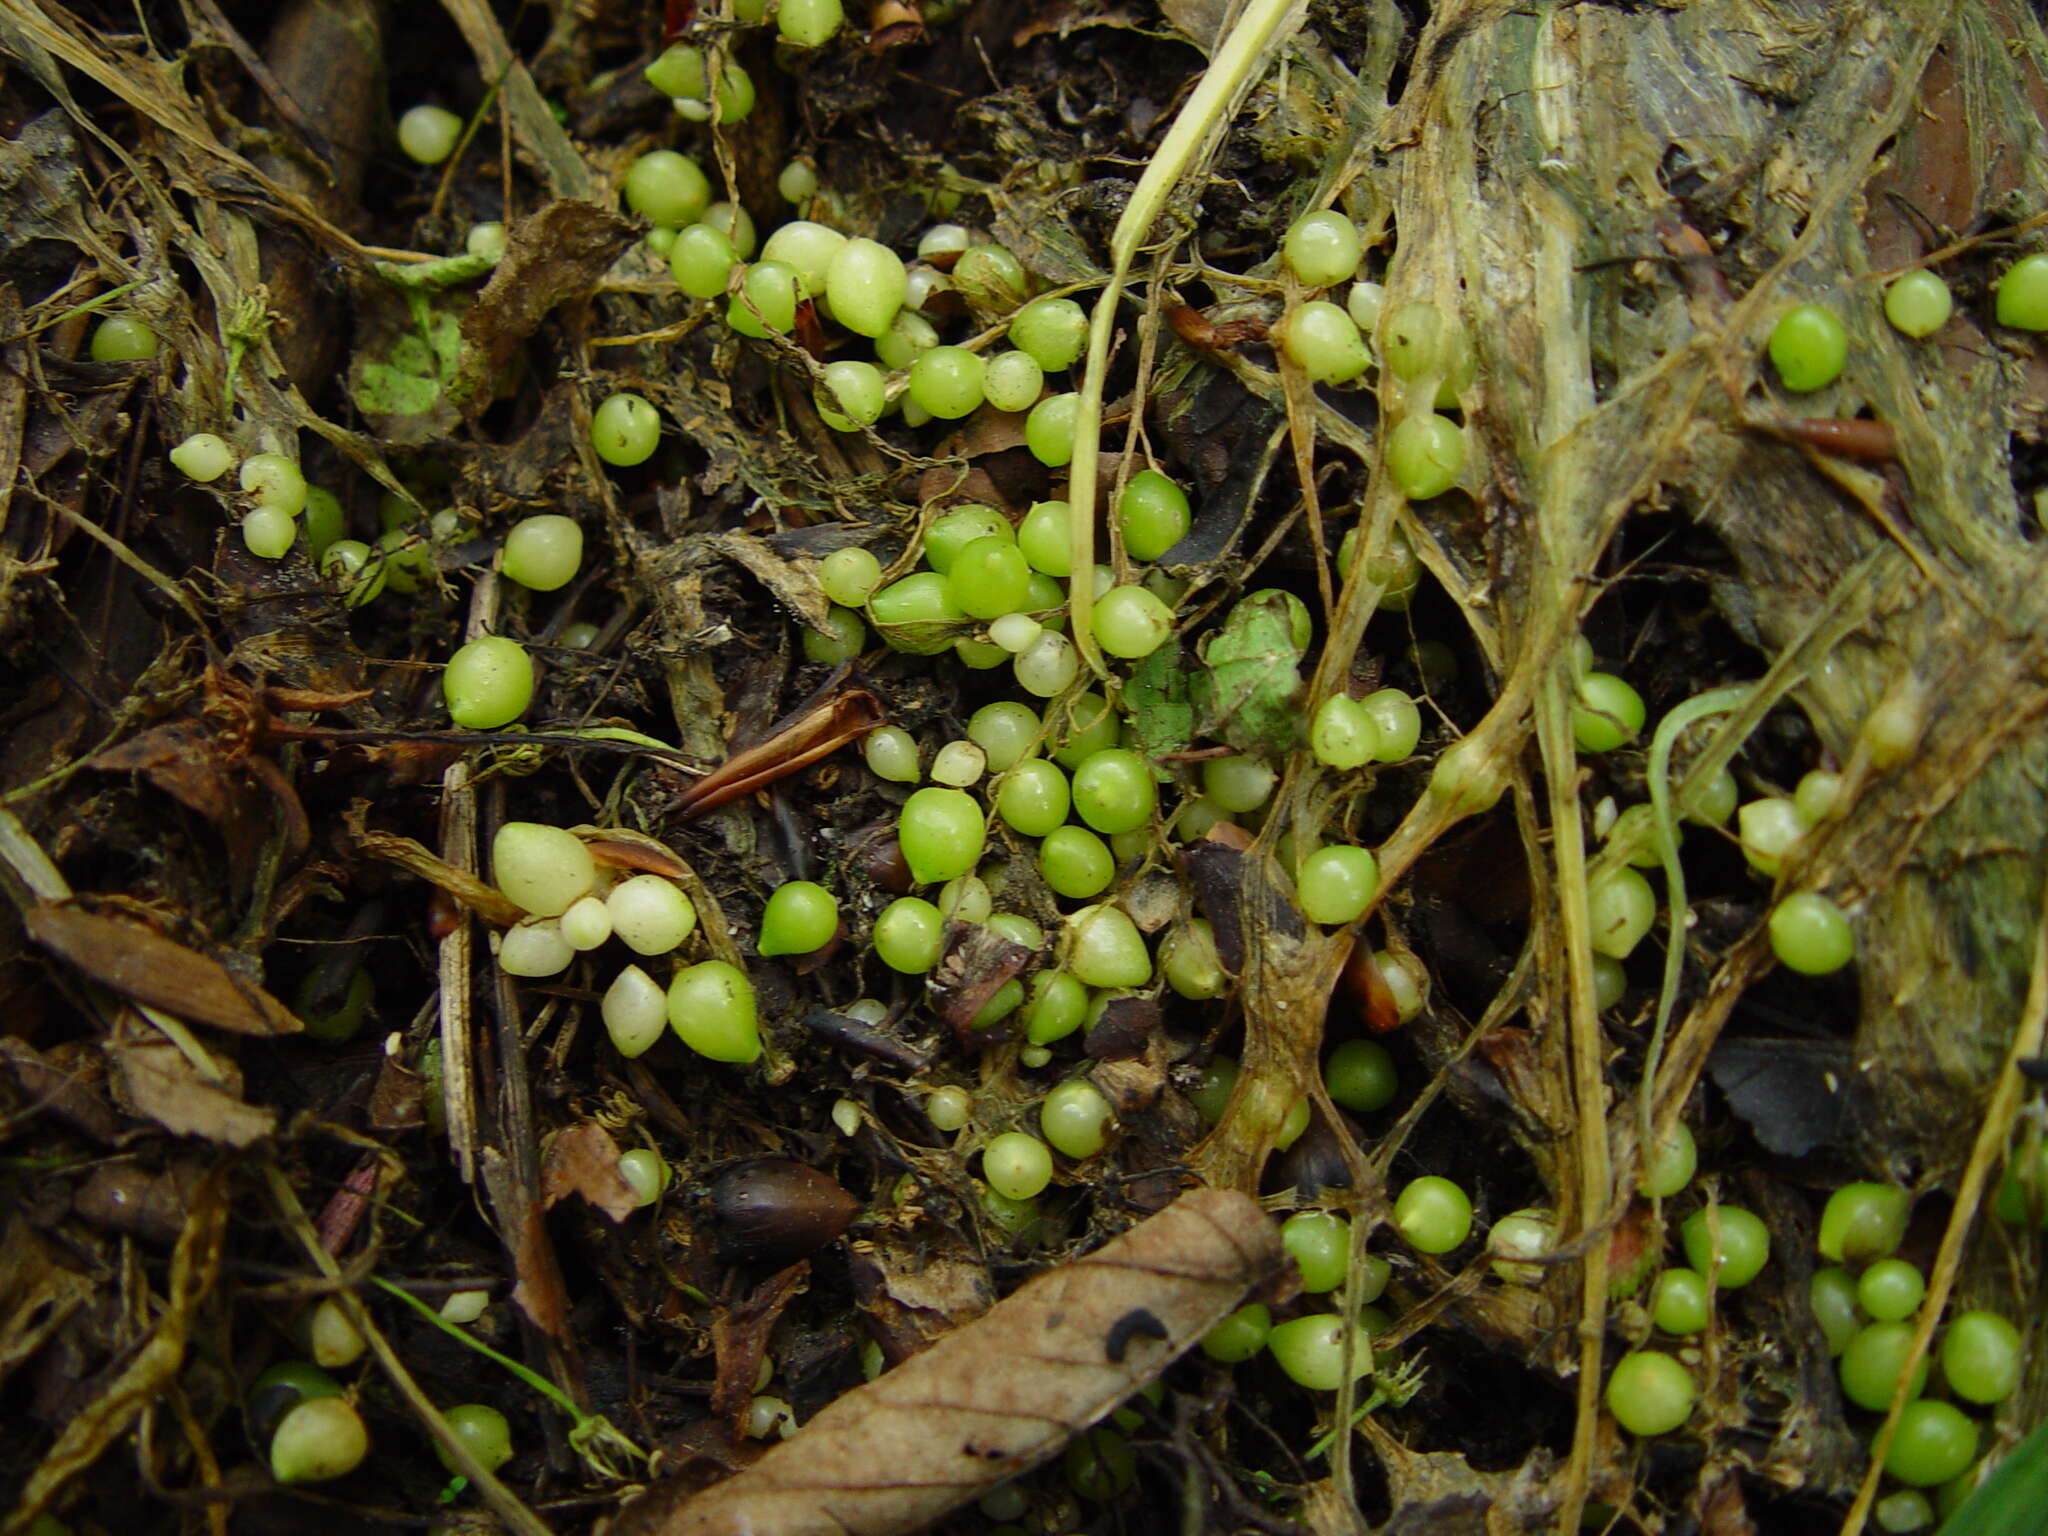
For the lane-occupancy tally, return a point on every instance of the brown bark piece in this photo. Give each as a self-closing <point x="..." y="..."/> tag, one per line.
<point x="1000" y="1396"/>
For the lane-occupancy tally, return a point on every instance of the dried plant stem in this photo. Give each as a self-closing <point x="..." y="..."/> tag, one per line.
<point x="1260" y="28"/>
<point x="1994" y="1132"/>
<point x="1554" y="729"/>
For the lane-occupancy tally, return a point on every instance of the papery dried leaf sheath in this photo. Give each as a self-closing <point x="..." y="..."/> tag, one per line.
<point x="999" y="1396"/>
<point x="812" y="733"/>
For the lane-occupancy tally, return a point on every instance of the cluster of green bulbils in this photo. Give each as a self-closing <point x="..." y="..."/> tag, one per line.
<point x="989" y="593"/>
<point x="1808" y="931"/>
<point x="1867" y="1301"/>
<point x="1809" y="346"/>
<point x="542" y="553"/>
<point x="1424" y="354"/>
<point x="310" y="1421"/>
<point x="1864" y="1301"/>
<point x="868" y="291"/>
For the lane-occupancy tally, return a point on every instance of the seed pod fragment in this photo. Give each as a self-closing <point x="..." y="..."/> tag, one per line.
<point x="773" y="1211"/>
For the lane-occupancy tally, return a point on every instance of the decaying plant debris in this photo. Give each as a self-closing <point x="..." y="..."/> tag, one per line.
<point x="226" y="794"/>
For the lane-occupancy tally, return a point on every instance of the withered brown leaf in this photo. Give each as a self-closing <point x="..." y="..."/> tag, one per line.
<point x="973" y="969"/>
<point x="209" y="770"/>
<point x="739" y="1334"/>
<point x="584" y="1160"/>
<point x="481" y="897"/>
<point x="556" y="253"/>
<point x="999" y="1396"/>
<point x="157" y="1080"/>
<point x="150" y="968"/>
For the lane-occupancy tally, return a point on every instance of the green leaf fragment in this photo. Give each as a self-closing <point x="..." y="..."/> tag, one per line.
<point x="417" y="365"/>
<point x="443" y="272"/>
<point x="1250" y="691"/>
<point x="1157" y="695"/>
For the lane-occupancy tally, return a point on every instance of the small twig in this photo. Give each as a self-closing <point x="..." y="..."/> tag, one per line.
<point x="458" y="847"/>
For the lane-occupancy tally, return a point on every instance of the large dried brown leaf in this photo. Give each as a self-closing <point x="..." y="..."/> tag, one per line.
<point x="997" y="1398"/>
<point x="150" y="968"/>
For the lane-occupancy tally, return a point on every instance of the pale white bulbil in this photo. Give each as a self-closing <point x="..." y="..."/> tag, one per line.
<point x="203" y="457"/>
<point x="650" y="915"/>
<point x="428" y="133"/>
<point x="1520" y="1235"/>
<point x="333" y="1340"/>
<point x="635" y="1010"/>
<point x="321" y="1438"/>
<point x="534" y="948"/>
<point x="959" y="764"/>
<point x="587" y="923"/>
<point x="543" y="870"/>
<point x="1015" y="632"/>
<point x="1048" y="665"/>
<point x="465" y="1306"/>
